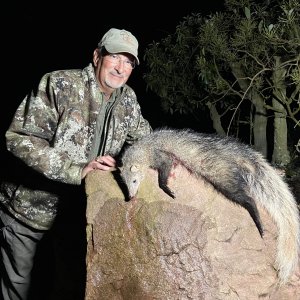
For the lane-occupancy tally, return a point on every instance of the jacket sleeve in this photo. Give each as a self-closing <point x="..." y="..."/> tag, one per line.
<point x="31" y="134"/>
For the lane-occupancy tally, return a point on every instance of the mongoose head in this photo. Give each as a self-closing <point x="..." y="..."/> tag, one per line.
<point x="132" y="176"/>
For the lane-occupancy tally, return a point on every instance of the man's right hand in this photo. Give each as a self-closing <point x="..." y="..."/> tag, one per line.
<point x="104" y="163"/>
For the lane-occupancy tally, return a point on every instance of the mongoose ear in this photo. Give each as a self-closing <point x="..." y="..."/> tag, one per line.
<point x="134" y="168"/>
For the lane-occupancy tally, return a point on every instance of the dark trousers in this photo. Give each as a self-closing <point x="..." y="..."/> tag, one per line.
<point x="18" y="244"/>
<point x="48" y="265"/>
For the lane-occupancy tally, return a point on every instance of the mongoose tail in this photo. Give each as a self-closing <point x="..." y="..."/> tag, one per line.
<point x="233" y="168"/>
<point x="275" y="196"/>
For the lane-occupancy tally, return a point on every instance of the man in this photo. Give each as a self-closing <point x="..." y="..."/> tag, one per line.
<point x="75" y="121"/>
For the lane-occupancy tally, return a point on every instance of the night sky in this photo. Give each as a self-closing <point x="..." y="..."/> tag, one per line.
<point x="46" y="36"/>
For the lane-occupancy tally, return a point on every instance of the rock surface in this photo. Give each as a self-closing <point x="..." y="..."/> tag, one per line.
<point x="199" y="245"/>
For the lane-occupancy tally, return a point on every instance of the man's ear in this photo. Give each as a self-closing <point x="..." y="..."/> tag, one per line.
<point x="96" y="57"/>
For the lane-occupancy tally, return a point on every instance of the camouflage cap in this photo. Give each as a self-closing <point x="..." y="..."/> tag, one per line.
<point x="120" y="40"/>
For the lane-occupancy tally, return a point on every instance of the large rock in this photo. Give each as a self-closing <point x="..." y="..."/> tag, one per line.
<point x="199" y="245"/>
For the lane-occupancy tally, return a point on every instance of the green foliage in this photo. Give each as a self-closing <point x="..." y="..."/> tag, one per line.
<point x="171" y="62"/>
<point x="228" y="58"/>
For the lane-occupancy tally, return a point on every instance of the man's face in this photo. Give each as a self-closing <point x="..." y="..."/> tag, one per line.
<point x="113" y="70"/>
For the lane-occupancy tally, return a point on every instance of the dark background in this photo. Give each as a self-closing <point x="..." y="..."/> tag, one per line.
<point x="45" y="36"/>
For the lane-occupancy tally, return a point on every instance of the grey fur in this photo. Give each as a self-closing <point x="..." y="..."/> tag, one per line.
<point x="233" y="168"/>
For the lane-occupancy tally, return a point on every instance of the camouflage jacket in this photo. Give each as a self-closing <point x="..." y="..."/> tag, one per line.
<point x="53" y="136"/>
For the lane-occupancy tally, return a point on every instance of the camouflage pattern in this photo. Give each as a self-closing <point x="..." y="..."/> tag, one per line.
<point x="52" y="132"/>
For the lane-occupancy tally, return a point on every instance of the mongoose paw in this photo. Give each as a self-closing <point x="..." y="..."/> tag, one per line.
<point x="168" y="191"/>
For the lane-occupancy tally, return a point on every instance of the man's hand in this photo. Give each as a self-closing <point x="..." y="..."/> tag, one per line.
<point x="104" y="163"/>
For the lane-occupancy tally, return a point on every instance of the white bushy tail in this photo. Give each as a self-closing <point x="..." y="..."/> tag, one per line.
<point x="275" y="196"/>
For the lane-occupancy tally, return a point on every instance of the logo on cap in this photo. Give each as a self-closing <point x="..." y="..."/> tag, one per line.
<point x="127" y="37"/>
